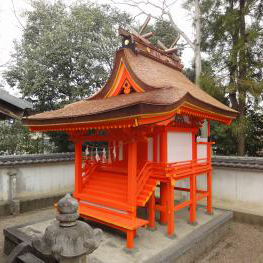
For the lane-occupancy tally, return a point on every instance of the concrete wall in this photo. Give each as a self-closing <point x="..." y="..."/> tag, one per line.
<point x="35" y="181"/>
<point x="236" y="185"/>
<point x="237" y="182"/>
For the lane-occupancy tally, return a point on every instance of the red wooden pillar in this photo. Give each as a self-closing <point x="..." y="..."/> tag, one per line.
<point x="132" y="186"/>
<point x="194" y="146"/>
<point x="130" y="238"/>
<point x="193" y="183"/>
<point x="125" y="152"/>
<point x="193" y="199"/>
<point x="170" y="194"/>
<point x="209" y="174"/>
<point x="151" y="203"/>
<point x="163" y="186"/>
<point x="78" y="167"/>
<point x="151" y="209"/>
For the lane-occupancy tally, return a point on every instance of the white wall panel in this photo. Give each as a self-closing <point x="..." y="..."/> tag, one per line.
<point x="201" y="151"/>
<point x="179" y="146"/>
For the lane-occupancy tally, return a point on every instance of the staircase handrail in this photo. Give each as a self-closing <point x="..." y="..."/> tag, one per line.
<point x="158" y="169"/>
<point x="89" y="169"/>
<point x="143" y="176"/>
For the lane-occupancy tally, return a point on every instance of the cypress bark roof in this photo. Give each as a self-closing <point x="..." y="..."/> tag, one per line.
<point x="164" y="88"/>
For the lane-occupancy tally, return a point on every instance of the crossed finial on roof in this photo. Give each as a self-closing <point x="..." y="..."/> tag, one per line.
<point x="145" y="36"/>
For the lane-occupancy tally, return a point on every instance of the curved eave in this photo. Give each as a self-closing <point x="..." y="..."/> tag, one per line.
<point x="131" y="116"/>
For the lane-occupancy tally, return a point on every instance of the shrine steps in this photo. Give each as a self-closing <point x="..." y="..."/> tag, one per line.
<point x="105" y="185"/>
<point x="147" y="191"/>
<point x="104" y="199"/>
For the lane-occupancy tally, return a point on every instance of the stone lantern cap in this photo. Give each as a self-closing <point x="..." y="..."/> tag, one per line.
<point x="67" y="211"/>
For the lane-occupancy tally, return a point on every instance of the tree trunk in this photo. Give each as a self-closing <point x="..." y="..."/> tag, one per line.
<point x="197" y="50"/>
<point x="241" y="144"/>
<point x="242" y="76"/>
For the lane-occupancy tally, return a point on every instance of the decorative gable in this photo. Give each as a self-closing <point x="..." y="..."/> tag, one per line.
<point x="123" y="83"/>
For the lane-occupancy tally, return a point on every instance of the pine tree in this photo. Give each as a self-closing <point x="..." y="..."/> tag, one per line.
<point x="232" y="36"/>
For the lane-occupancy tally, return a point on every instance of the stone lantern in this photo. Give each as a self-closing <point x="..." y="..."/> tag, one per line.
<point x="68" y="239"/>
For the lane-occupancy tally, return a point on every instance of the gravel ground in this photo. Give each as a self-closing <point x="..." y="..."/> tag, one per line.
<point x="244" y="243"/>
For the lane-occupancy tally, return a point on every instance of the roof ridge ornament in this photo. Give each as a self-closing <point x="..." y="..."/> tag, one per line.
<point x="172" y="50"/>
<point x="138" y="42"/>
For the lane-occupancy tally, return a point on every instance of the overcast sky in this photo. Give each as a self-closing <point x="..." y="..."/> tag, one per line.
<point x="10" y="28"/>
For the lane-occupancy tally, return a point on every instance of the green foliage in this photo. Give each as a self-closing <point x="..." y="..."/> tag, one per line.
<point x="225" y="142"/>
<point x="61" y="142"/>
<point x="163" y="31"/>
<point x="65" y="53"/>
<point x="225" y="136"/>
<point x="210" y="84"/>
<point x="254" y="134"/>
<point x="16" y="139"/>
<point x="232" y="38"/>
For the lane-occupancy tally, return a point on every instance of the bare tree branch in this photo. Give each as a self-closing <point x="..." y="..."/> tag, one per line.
<point x="164" y="7"/>
<point x="164" y="11"/>
<point x="17" y="18"/>
<point x="187" y="39"/>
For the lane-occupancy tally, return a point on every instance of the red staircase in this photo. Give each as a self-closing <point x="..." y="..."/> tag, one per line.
<point x="110" y="185"/>
<point x="104" y="198"/>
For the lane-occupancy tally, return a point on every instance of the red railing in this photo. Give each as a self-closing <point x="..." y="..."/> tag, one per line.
<point x="177" y="169"/>
<point x="185" y="168"/>
<point x="143" y="176"/>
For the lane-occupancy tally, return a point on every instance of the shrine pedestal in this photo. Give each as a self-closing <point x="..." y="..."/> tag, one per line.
<point x="190" y="241"/>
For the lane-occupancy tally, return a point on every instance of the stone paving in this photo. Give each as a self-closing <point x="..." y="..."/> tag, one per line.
<point x="242" y="244"/>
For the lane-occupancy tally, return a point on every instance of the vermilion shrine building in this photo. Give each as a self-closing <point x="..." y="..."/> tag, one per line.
<point x="149" y="114"/>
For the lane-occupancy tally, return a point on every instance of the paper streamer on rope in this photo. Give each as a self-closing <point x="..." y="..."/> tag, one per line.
<point x="114" y="151"/>
<point x="87" y="150"/>
<point x="109" y="155"/>
<point x="104" y="155"/>
<point x="97" y="157"/>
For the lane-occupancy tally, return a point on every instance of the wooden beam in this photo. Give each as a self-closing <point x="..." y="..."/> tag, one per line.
<point x="145" y="24"/>
<point x="170" y="50"/>
<point x="175" y="41"/>
<point x="148" y="35"/>
<point x="161" y="44"/>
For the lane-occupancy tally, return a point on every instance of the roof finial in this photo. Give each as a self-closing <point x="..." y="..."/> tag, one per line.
<point x="143" y="37"/>
<point x="172" y="48"/>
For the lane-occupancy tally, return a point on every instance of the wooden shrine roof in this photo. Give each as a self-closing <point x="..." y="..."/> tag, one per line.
<point x="12" y="107"/>
<point x="157" y="85"/>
